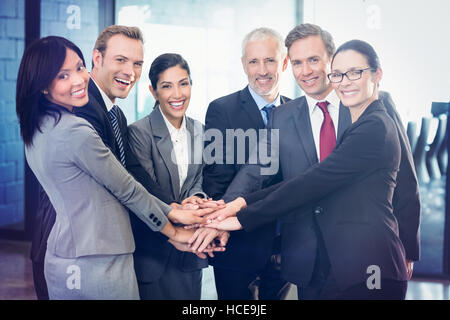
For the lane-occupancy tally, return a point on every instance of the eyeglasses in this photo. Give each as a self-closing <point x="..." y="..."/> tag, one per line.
<point x="351" y="75"/>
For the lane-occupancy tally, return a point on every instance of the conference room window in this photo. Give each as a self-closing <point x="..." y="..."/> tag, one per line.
<point x="208" y="34"/>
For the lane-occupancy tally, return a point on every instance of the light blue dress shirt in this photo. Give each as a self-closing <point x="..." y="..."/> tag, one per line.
<point x="261" y="103"/>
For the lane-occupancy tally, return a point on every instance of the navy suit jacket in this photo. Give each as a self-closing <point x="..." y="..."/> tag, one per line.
<point x="245" y="251"/>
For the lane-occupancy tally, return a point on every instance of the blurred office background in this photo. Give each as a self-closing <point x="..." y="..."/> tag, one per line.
<point x="411" y="37"/>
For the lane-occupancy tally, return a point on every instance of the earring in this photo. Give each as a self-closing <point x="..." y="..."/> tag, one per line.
<point x="44" y="91"/>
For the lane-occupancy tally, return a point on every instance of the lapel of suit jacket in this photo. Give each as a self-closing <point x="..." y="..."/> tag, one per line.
<point x="345" y="120"/>
<point x="304" y="130"/>
<point x="94" y="93"/>
<point x="250" y="107"/>
<point x="284" y="99"/>
<point x="165" y="148"/>
<point x="193" y="137"/>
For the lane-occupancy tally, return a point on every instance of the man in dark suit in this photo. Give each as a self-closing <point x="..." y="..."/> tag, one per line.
<point x="300" y="121"/>
<point x="117" y="65"/>
<point x="247" y="261"/>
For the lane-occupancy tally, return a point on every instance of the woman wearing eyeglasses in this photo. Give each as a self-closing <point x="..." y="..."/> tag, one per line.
<point x="351" y="191"/>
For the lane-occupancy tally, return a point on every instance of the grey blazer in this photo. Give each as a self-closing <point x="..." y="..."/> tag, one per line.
<point x="150" y="141"/>
<point x="87" y="186"/>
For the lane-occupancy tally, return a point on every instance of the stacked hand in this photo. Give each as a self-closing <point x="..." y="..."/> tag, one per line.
<point x="210" y="234"/>
<point x="230" y="210"/>
<point x="193" y="212"/>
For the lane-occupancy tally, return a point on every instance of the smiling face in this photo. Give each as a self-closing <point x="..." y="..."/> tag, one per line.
<point x="355" y="93"/>
<point x="120" y="67"/>
<point x="263" y="63"/>
<point x="310" y="66"/>
<point x="69" y="88"/>
<point x="173" y="91"/>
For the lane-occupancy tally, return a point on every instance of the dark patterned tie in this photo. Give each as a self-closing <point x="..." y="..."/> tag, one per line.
<point x="113" y="116"/>
<point x="327" y="132"/>
<point x="268" y="110"/>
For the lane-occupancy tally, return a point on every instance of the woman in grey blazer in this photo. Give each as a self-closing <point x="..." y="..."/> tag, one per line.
<point x="169" y="146"/>
<point x="89" y="253"/>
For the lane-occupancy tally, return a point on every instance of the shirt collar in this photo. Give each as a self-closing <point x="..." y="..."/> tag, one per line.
<point x="332" y="98"/>
<point x="260" y="102"/>
<point x="108" y="103"/>
<point x="170" y="126"/>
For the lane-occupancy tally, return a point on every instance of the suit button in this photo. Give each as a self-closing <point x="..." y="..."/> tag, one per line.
<point x="155" y="220"/>
<point x="151" y="216"/>
<point x="159" y="223"/>
<point x="318" y="211"/>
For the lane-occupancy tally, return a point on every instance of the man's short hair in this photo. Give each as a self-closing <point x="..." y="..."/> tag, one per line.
<point x="262" y="34"/>
<point x="305" y="30"/>
<point x="110" y="31"/>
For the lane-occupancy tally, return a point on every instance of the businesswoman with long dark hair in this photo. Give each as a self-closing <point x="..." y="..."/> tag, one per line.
<point x="168" y="145"/>
<point x="89" y="252"/>
<point x="359" y="255"/>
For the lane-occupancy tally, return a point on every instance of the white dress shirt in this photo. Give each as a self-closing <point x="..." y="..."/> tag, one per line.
<point x="316" y="116"/>
<point x="180" y="153"/>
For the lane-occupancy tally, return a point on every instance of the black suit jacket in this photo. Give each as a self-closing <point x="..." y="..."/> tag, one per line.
<point x="406" y="200"/>
<point x="245" y="251"/>
<point x="352" y="191"/>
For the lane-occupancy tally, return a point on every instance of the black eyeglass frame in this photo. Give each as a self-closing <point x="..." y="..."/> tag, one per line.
<point x="359" y="72"/>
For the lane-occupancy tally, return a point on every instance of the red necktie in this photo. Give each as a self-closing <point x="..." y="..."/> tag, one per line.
<point x="327" y="133"/>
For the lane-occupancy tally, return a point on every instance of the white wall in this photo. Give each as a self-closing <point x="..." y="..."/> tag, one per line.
<point x="411" y="37"/>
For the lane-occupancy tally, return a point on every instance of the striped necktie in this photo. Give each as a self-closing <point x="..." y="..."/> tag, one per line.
<point x="113" y="116"/>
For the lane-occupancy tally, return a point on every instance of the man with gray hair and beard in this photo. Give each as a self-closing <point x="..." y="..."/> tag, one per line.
<point x="248" y="269"/>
